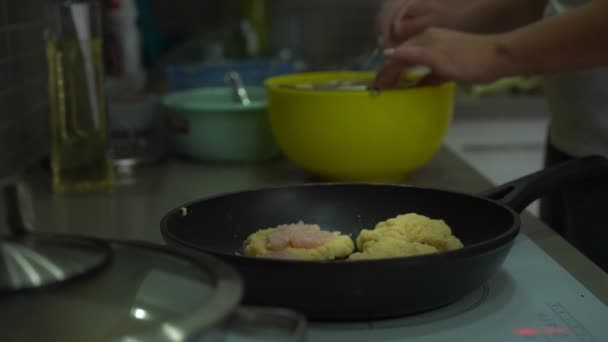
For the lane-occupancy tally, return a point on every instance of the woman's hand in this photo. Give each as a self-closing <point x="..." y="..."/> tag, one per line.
<point x="450" y="55"/>
<point x="399" y="20"/>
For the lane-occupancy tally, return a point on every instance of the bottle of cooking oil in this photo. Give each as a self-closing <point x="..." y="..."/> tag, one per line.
<point x="80" y="148"/>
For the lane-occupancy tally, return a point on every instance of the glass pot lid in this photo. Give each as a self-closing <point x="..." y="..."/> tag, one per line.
<point x="27" y="263"/>
<point x="135" y="291"/>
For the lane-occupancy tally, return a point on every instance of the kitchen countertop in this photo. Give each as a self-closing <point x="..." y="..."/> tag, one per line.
<point x="133" y="211"/>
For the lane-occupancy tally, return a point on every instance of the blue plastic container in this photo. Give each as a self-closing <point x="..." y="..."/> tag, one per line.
<point x="253" y="72"/>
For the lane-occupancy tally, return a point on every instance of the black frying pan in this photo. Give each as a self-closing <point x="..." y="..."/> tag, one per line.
<point x="487" y="224"/>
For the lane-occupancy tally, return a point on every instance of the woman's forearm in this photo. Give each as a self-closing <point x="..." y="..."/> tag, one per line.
<point x="575" y="39"/>
<point x="497" y="16"/>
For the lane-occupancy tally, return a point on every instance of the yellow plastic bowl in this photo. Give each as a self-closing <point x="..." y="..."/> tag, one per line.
<point x="357" y="136"/>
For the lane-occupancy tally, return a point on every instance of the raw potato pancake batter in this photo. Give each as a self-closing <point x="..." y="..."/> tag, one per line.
<point x="299" y="241"/>
<point x="405" y="235"/>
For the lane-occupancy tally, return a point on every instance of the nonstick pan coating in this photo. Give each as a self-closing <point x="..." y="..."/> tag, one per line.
<point x="367" y="289"/>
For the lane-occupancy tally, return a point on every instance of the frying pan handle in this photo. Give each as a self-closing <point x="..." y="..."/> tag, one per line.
<point x="520" y="193"/>
<point x="248" y="320"/>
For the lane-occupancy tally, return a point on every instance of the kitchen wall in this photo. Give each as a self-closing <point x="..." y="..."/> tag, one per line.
<point x="335" y="31"/>
<point x="23" y="95"/>
<point x="325" y="32"/>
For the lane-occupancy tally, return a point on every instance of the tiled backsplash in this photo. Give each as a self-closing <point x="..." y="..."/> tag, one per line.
<point x="23" y="91"/>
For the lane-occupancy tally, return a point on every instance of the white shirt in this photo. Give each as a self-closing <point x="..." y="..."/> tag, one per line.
<point x="578" y="101"/>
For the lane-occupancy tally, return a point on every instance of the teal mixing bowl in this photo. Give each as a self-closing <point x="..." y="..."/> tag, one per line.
<point x="210" y="125"/>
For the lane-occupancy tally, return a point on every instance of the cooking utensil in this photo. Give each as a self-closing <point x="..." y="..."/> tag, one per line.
<point x="366" y="65"/>
<point x="146" y="293"/>
<point x="352" y="135"/>
<point x="486" y="223"/>
<point x="375" y="53"/>
<point x="71" y="288"/>
<point x="210" y="126"/>
<point x="234" y="81"/>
